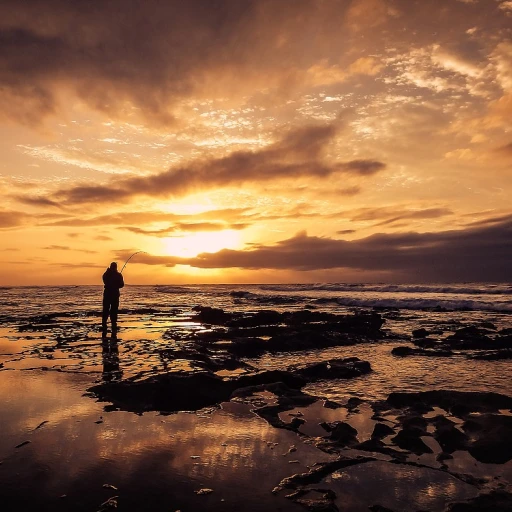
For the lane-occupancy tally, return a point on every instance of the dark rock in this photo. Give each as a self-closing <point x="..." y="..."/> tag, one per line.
<point x="343" y="433"/>
<point x="377" y="446"/>
<point x="308" y="316"/>
<point x="330" y="404"/>
<point x="426" y="343"/>
<point x="319" y="472"/>
<point x="495" y="501"/>
<point x="491" y="436"/>
<point x="448" y="436"/>
<point x="260" y="318"/>
<point x="403" y="351"/>
<point x="381" y="430"/>
<point x="333" y="369"/>
<point x="450" y="400"/>
<point x="444" y="456"/>
<point x="420" y="333"/>
<point x="247" y="347"/>
<point x="413" y="421"/>
<point x="353" y="403"/>
<point x="318" y="505"/>
<point x="295" y="423"/>
<point x="167" y="392"/>
<point x="212" y="316"/>
<point x="379" y="508"/>
<point x="492" y="355"/>
<point x="469" y="332"/>
<point x="476" y="338"/>
<point x="410" y="440"/>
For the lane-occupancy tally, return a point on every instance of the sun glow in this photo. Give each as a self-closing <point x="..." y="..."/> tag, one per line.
<point x="191" y="245"/>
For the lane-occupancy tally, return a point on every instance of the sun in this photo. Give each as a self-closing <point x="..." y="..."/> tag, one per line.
<point x="189" y="246"/>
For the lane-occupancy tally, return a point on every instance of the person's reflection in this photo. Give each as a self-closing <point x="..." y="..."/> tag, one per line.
<point x="110" y="353"/>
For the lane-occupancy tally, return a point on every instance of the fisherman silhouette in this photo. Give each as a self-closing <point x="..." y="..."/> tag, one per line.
<point x="113" y="281"/>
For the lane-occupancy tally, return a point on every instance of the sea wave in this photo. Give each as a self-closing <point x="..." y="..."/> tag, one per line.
<point x="173" y="289"/>
<point x="424" y="304"/>
<point x="466" y="289"/>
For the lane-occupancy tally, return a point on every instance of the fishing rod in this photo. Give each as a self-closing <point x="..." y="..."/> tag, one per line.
<point x="126" y="263"/>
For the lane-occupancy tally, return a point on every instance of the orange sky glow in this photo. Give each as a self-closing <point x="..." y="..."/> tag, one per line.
<point x="256" y="141"/>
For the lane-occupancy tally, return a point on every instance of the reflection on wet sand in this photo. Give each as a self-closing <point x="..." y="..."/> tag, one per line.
<point x="226" y="449"/>
<point x="110" y="355"/>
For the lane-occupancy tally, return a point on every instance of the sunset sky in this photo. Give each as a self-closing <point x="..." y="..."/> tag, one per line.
<point x="253" y="141"/>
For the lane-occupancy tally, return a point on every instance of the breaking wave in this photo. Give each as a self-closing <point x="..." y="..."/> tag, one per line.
<point x="427" y="304"/>
<point x="467" y="288"/>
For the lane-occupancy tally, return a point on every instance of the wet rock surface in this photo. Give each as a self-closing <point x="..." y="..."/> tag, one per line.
<point x="472" y="423"/>
<point x="189" y="391"/>
<point x="482" y="342"/>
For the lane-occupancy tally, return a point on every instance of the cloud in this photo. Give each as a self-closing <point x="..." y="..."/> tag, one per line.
<point x="178" y="228"/>
<point x="391" y="214"/>
<point x="142" y="61"/>
<point x="300" y="153"/>
<point x="132" y="59"/>
<point x="36" y="201"/>
<point x="507" y="149"/>
<point x="11" y="219"/>
<point x="429" y="213"/>
<point x="146" y="217"/>
<point x="480" y="253"/>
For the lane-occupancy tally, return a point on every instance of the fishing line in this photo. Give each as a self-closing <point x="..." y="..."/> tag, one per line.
<point x="126" y="263"/>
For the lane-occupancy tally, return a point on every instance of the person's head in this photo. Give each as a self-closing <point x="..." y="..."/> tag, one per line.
<point x="113" y="266"/>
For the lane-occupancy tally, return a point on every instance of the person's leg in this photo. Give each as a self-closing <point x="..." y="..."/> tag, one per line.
<point x="105" y="312"/>
<point x="114" y="308"/>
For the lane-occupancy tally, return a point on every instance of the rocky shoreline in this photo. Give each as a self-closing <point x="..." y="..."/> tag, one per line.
<point x="459" y="439"/>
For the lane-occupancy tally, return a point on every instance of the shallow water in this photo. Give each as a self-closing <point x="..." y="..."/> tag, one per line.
<point x="152" y="459"/>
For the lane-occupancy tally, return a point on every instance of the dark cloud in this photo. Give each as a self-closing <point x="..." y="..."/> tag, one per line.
<point x="428" y="213"/>
<point x="300" y="153"/>
<point x="490" y="221"/>
<point x="103" y="238"/>
<point x="143" y="217"/>
<point x="473" y="254"/>
<point x="78" y="266"/>
<point x="36" y="201"/>
<point x="391" y="214"/>
<point x="155" y="53"/>
<point x="58" y="248"/>
<point x="346" y="232"/>
<point x="507" y="149"/>
<point x="11" y="219"/>
<point x="176" y="229"/>
<point x="149" y="53"/>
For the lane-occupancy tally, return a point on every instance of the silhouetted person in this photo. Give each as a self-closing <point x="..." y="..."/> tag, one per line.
<point x="113" y="281"/>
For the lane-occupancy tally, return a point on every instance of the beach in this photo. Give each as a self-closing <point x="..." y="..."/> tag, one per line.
<point x="257" y="397"/>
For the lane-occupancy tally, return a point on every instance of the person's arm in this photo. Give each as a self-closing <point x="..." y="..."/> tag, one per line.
<point x="121" y="280"/>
